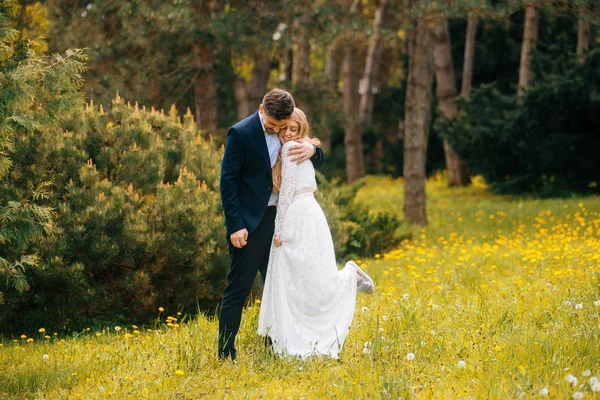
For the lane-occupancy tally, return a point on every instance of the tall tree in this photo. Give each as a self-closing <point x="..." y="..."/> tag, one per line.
<point x="416" y="125"/>
<point x="355" y="164"/>
<point x="583" y="31"/>
<point x="530" y="36"/>
<point x="301" y="34"/>
<point x="469" y="58"/>
<point x="446" y="94"/>
<point x="372" y="64"/>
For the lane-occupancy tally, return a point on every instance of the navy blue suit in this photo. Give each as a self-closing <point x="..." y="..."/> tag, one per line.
<point x="246" y="185"/>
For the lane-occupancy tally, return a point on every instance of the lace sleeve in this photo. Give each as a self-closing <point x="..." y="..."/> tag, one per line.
<point x="287" y="189"/>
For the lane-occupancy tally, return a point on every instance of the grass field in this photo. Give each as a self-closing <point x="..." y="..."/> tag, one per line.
<point x="499" y="297"/>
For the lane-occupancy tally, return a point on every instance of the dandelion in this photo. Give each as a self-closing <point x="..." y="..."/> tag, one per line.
<point x="365" y="309"/>
<point x="30" y="340"/>
<point x="544" y="391"/>
<point x="578" y="395"/>
<point x="367" y="344"/>
<point x="385" y="317"/>
<point x="566" y="303"/>
<point x="98" y="334"/>
<point x="23" y="336"/>
<point x="578" y="306"/>
<point x="42" y="330"/>
<point x="597" y="303"/>
<point x="595" y="385"/>
<point x="45" y="356"/>
<point x="179" y="372"/>
<point x="366" y="350"/>
<point x="405" y="296"/>
<point x="587" y="372"/>
<point x="117" y="328"/>
<point x="461" y="364"/>
<point x="410" y="356"/>
<point x="594" y="381"/>
<point x="161" y="309"/>
<point x="571" y="379"/>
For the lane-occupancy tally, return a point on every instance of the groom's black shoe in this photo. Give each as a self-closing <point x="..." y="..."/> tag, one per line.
<point x="227" y="353"/>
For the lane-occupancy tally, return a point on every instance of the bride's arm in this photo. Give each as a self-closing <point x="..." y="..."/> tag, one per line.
<point x="287" y="188"/>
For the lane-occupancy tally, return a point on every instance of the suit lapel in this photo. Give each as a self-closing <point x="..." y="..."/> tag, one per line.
<point x="260" y="140"/>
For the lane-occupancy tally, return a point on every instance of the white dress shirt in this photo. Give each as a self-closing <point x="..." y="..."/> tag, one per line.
<point x="273" y="146"/>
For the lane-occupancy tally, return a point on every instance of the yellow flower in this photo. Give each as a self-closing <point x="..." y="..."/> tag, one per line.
<point x="179" y="372"/>
<point x="42" y="330"/>
<point x="30" y="340"/>
<point x="257" y="301"/>
<point x="161" y="309"/>
<point x="23" y="336"/>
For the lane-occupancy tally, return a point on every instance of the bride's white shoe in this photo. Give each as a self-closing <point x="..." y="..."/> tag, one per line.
<point x="365" y="283"/>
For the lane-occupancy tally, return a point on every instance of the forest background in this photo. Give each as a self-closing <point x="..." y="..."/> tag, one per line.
<point x="109" y="206"/>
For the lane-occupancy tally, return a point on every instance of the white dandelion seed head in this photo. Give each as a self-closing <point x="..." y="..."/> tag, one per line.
<point x="117" y="328"/>
<point x="365" y="309"/>
<point x="597" y="303"/>
<point x="276" y="36"/>
<point x="578" y="395"/>
<point x="45" y="356"/>
<point x="410" y="356"/>
<point x="578" y="306"/>
<point x="544" y="391"/>
<point x="461" y="364"/>
<point x="405" y="296"/>
<point x="89" y="6"/>
<point x="572" y="379"/>
<point x="367" y="344"/>
<point x="595" y="387"/>
<point x="366" y="350"/>
<point x="566" y="303"/>
<point x="587" y="372"/>
<point x="83" y="14"/>
<point x="594" y="380"/>
<point x="385" y="317"/>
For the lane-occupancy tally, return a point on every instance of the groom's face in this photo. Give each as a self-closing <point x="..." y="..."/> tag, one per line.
<point x="272" y="126"/>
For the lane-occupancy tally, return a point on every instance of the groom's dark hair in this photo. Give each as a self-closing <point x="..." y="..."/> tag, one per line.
<point x="278" y="104"/>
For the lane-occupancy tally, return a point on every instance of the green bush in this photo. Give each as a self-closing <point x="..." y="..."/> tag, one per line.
<point x="138" y="217"/>
<point x="546" y="144"/>
<point x="356" y="231"/>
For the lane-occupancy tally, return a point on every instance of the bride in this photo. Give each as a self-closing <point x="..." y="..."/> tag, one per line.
<point x="307" y="304"/>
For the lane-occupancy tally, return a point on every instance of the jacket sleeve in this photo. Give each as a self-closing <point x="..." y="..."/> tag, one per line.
<point x="233" y="160"/>
<point x="318" y="158"/>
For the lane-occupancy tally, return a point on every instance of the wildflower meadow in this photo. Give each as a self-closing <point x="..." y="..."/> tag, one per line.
<point x="499" y="297"/>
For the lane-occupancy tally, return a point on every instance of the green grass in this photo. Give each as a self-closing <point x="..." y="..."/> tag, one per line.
<point x="507" y="285"/>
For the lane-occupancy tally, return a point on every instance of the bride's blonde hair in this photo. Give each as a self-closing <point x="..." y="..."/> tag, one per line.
<point x="299" y="117"/>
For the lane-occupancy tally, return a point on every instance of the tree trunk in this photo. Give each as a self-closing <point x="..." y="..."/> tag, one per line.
<point x="355" y="167"/>
<point x="530" y="36"/>
<point x="417" y="119"/>
<point x="248" y="95"/>
<point x="467" y="76"/>
<point x="446" y="94"/>
<point x="332" y="63"/>
<point x="205" y="89"/>
<point x="372" y="64"/>
<point x="301" y="47"/>
<point x="583" y="32"/>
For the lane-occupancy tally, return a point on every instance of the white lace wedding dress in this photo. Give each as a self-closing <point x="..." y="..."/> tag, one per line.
<point x="307" y="304"/>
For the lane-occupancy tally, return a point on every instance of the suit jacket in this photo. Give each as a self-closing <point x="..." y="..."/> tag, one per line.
<point x="246" y="179"/>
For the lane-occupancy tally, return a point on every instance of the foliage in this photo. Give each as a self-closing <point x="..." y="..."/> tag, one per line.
<point x="34" y="90"/>
<point x="462" y="297"/>
<point x="138" y="215"/>
<point x="548" y="143"/>
<point x="356" y="231"/>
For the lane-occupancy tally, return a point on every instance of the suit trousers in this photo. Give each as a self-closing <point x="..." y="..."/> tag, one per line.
<point x="244" y="263"/>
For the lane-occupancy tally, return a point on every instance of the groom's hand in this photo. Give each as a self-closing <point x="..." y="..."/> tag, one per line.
<point x="301" y="151"/>
<point x="239" y="238"/>
<point x="277" y="241"/>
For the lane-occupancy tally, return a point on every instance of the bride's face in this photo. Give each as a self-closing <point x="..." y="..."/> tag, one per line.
<point x="291" y="133"/>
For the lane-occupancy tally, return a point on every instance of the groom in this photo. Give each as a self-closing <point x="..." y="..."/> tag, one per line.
<point x="251" y="151"/>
